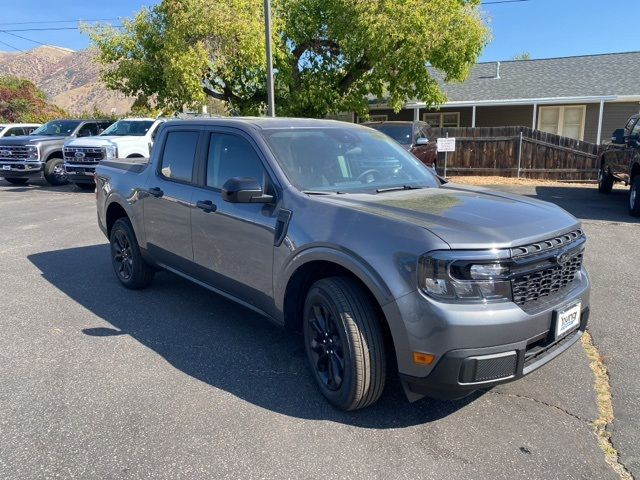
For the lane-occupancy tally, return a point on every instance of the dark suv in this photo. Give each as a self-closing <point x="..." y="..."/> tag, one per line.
<point x="620" y="162"/>
<point x="335" y="230"/>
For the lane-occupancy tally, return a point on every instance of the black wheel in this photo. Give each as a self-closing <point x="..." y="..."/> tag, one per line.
<point x="128" y="264"/>
<point x="344" y="343"/>
<point x="634" y="197"/>
<point x="17" y="181"/>
<point x="605" y="181"/>
<point x="54" y="172"/>
<point x="86" y="186"/>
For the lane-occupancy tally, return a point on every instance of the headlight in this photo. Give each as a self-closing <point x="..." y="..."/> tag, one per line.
<point x="111" y="152"/>
<point x="465" y="277"/>
<point x="32" y="152"/>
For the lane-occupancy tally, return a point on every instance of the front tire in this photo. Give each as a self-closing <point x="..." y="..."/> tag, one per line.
<point x="17" y="181"/>
<point x="128" y="264"/>
<point x="634" y="197"/>
<point x="54" y="172"/>
<point x="344" y="343"/>
<point x="605" y="181"/>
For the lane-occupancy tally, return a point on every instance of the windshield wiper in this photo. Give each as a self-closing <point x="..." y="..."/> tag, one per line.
<point x="395" y="189"/>
<point x="321" y="192"/>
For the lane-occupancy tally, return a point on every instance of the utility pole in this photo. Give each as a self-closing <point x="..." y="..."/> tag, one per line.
<point x="271" y="107"/>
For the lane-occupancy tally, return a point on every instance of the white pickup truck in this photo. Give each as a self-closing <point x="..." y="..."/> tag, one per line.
<point x="127" y="138"/>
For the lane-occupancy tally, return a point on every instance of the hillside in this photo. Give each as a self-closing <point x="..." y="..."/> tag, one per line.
<point x="69" y="79"/>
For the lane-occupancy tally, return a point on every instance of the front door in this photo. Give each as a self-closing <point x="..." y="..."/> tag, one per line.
<point x="167" y="202"/>
<point x="233" y="242"/>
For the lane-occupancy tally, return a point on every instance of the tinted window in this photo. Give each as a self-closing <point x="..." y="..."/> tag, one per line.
<point x="14" y="132"/>
<point x="231" y="156"/>
<point x="134" y="128"/>
<point x="54" y="128"/>
<point x="179" y="155"/>
<point x="629" y="126"/>
<point x="88" y="130"/>
<point x="400" y="133"/>
<point x="635" y="134"/>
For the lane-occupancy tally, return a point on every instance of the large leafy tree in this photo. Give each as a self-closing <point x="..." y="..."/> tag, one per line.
<point x="329" y="55"/>
<point x="21" y="101"/>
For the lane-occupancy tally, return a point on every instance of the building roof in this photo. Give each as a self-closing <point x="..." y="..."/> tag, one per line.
<point x="611" y="75"/>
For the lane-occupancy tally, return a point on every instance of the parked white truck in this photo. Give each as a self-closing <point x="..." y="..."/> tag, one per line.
<point x="127" y="138"/>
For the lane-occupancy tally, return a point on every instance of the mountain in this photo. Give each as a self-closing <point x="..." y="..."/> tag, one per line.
<point x="69" y="78"/>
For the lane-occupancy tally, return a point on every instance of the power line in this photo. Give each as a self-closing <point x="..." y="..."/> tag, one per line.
<point x="51" y="29"/>
<point x="35" y="41"/>
<point x="61" y="21"/>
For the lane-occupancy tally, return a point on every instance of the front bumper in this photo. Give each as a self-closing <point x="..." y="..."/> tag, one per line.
<point x="21" y="169"/>
<point x="478" y="346"/>
<point x="80" y="173"/>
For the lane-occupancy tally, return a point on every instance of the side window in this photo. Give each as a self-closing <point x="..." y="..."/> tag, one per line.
<point x="231" y="156"/>
<point x="88" y="130"/>
<point x="29" y="130"/>
<point x="14" y="132"/>
<point x="179" y="155"/>
<point x="635" y="133"/>
<point x="629" y="126"/>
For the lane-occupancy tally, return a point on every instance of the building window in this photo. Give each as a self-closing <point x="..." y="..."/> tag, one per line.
<point x="442" y="119"/>
<point x="378" y="118"/>
<point x="567" y="121"/>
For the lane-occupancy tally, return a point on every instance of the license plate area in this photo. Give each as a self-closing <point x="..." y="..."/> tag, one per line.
<point x="567" y="319"/>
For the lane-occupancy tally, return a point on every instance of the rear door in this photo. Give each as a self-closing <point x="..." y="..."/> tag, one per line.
<point x="233" y="242"/>
<point x="167" y="202"/>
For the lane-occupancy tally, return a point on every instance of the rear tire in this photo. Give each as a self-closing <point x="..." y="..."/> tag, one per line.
<point x="605" y="181"/>
<point x="634" y="197"/>
<point x="128" y="264"/>
<point x="54" y="172"/>
<point x="17" y="181"/>
<point x="344" y="343"/>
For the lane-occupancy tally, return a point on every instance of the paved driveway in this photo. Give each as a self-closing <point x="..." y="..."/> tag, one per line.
<point x="175" y="382"/>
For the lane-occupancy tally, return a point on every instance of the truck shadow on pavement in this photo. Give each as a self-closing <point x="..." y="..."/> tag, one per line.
<point x="216" y="341"/>
<point x="588" y="204"/>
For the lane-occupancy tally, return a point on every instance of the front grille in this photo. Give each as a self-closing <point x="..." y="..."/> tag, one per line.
<point x="83" y="154"/>
<point x="546" y="267"/>
<point x="13" y="153"/>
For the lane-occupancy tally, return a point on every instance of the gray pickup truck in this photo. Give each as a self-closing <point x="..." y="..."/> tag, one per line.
<point x="336" y="231"/>
<point x="40" y="153"/>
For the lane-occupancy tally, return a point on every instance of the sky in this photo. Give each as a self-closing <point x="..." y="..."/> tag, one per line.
<point x="543" y="28"/>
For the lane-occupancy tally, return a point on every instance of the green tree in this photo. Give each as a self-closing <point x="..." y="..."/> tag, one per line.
<point x="328" y="54"/>
<point x="522" y="56"/>
<point x="21" y="101"/>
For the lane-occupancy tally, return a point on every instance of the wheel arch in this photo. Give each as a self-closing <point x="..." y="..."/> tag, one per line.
<point x="115" y="210"/>
<point x="54" y="154"/>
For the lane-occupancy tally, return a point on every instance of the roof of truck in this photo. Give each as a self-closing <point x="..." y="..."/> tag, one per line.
<point x="267" y="122"/>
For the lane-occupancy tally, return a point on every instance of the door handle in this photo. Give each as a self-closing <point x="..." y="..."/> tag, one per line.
<point x="207" y="206"/>
<point x="155" y="192"/>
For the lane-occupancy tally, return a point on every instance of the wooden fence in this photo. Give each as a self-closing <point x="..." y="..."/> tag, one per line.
<point x="516" y="152"/>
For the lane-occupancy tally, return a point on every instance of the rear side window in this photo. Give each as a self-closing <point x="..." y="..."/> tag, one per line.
<point x="14" y="132"/>
<point x="178" y="155"/>
<point x="231" y="156"/>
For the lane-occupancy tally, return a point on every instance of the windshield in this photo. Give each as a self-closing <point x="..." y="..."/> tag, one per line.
<point x="345" y="160"/>
<point x="62" y="128"/>
<point x="134" y="128"/>
<point x="400" y="133"/>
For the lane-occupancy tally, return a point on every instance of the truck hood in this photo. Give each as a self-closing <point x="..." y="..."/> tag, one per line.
<point x="29" y="140"/>
<point x="467" y="217"/>
<point x="103" y="141"/>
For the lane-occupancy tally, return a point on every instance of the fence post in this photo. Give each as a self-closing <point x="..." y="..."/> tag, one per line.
<point x="446" y="155"/>
<point x="519" y="153"/>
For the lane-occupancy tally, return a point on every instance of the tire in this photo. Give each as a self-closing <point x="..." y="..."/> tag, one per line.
<point x="344" y="343"/>
<point x="128" y="264"/>
<point x="605" y="181"/>
<point x="17" y="181"/>
<point x="86" y="186"/>
<point x="54" y="172"/>
<point x="634" y="197"/>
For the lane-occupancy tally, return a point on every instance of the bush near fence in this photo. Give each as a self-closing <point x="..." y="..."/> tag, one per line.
<point x="517" y="151"/>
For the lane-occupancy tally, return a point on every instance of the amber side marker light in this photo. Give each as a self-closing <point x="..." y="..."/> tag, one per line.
<point x="423" y="358"/>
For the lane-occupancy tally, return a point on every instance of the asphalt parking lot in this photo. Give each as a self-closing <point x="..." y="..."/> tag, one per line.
<point x="176" y="382"/>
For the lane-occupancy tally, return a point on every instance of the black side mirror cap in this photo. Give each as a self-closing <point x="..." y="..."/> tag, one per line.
<point x="244" y="190"/>
<point x="618" y="137"/>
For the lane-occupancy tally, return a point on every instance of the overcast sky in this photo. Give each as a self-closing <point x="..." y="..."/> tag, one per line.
<point x="544" y="28"/>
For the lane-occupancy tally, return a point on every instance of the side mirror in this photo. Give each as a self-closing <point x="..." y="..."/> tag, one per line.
<point x="244" y="190"/>
<point x="618" y="137"/>
<point x="422" y="141"/>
